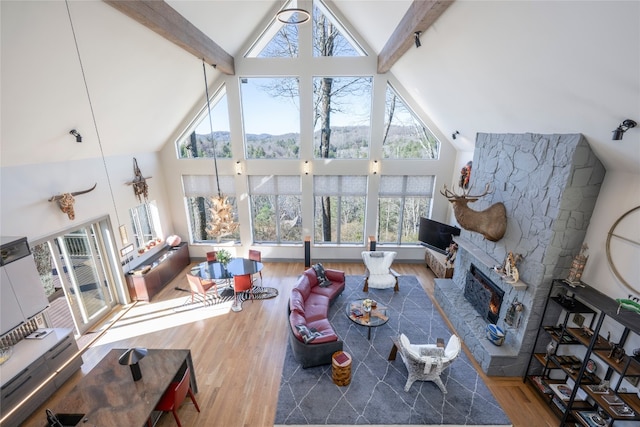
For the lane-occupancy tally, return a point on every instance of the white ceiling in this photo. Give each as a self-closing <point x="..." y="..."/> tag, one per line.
<point x="485" y="66"/>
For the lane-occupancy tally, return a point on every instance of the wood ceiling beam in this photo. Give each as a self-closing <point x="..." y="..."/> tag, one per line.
<point x="166" y="21"/>
<point x="420" y="16"/>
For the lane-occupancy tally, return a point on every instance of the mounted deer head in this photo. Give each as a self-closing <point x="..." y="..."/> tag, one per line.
<point x="66" y="201"/>
<point x="491" y="222"/>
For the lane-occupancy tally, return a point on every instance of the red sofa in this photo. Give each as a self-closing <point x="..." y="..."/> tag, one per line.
<point x="309" y="306"/>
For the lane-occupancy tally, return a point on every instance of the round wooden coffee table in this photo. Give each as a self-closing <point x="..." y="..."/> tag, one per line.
<point x="377" y="317"/>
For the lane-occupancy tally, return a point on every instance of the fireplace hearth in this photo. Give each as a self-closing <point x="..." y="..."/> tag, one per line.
<point x="484" y="295"/>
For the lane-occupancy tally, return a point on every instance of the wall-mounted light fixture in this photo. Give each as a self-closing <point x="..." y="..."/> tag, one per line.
<point x="622" y="128"/>
<point x="238" y="168"/>
<point x="293" y="16"/>
<point x="76" y="134"/>
<point x="455" y="134"/>
<point x="375" y="167"/>
<point x="306" y="167"/>
<point x="416" y="38"/>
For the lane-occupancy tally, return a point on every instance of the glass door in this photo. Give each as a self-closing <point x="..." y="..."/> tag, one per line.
<point x="75" y="264"/>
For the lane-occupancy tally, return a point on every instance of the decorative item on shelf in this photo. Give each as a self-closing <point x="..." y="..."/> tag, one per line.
<point x="131" y="357"/>
<point x="632" y="304"/>
<point x="223" y="256"/>
<point x="495" y="334"/>
<point x="452" y="251"/>
<point x="577" y="267"/>
<point x="491" y="222"/>
<point x="509" y="268"/>
<point x="636" y="354"/>
<point x="221" y="223"/>
<point x="514" y="313"/>
<point x="66" y="201"/>
<point x="551" y="347"/>
<point x="617" y="353"/>
<point x="139" y="182"/>
<point x="173" y="240"/>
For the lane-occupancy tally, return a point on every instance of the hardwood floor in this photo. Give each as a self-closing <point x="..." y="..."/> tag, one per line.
<point x="238" y="357"/>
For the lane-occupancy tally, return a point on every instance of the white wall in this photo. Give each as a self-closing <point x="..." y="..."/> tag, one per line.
<point x="25" y="190"/>
<point x="619" y="193"/>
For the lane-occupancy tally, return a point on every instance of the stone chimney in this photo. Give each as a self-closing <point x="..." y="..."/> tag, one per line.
<point x="549" y="185"/>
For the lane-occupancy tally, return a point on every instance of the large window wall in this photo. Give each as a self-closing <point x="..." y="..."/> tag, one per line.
<point x="314" y="143"/>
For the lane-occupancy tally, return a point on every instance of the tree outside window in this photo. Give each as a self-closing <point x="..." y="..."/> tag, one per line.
<point x="405" y="137"/>
<point x="276" y="209"/>
<point x="339" y="209"/>
<point x="198" y="141"/>
<point x="402" y="201"/>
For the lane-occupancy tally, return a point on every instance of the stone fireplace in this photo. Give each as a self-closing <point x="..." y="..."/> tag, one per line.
<point x="484" y="295"/>
<point x="549" y="185"/>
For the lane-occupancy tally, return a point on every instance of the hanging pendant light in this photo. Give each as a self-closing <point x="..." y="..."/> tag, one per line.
<point x="221" y="223"/>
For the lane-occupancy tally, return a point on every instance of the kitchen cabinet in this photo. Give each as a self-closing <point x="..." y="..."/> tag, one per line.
<point x="33" y="361"/>
<point x="572" y="385"/>
<point x="23" y="295"/>
<point x="10" y="312"/>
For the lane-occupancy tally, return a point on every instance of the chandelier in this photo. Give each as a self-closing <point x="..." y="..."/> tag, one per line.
<point x="221" y="211"/>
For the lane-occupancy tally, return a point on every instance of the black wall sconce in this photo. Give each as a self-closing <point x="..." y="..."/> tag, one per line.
<point x="76" y="134"/>
<point x="622" y="128"/>
<point x="455" y="134"/>
<point x="416" y="38"/>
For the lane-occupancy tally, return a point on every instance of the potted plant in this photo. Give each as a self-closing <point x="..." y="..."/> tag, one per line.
<point x="223" y="256"/>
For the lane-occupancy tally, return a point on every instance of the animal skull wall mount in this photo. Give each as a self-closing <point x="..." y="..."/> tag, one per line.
<point x="66" y="201"/>
<point x="139" y="182"/>
<point x="491" y="222"/>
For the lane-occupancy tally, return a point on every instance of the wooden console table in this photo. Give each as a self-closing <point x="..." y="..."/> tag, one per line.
<point x="108" y="396"/>
<point x="165" y="265"/>
<point x="436" y="262"/>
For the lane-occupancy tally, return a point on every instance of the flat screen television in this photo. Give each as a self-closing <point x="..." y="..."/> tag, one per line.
<point x="436" y="235"/>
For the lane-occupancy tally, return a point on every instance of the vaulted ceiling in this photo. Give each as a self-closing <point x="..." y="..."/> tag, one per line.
<point x="483" y="66"/>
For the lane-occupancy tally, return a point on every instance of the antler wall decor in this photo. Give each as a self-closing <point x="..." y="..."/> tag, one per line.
<point x="139" y="182"/>
<point x="491" y="222"/>
<point x="66" y="201"/>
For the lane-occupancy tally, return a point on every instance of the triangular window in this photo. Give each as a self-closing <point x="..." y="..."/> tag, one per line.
<point x="405" y="137"/>
<point x="329" y="37"/>
<point x="198" y="141"/>
<point x="278" y="40"/>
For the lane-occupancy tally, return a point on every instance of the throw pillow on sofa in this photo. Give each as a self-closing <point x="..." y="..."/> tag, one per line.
<point x="307" y="334"/>
<point x="322" y="277"/>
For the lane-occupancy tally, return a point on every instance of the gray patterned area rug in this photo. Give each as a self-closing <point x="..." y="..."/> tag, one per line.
<point x="376" y="393"/>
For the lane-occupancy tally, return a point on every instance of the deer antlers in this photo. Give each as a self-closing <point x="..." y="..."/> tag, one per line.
<point x="465" y="193"/>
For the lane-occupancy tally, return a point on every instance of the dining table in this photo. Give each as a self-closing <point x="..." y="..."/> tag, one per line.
<point x="109" y="396"/>
<point x="236" y="267"/>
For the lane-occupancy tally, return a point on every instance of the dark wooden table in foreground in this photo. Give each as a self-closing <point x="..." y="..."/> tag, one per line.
<point x="108" y="396"/>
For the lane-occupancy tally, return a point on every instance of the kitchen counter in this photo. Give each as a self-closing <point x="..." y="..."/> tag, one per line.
<point x="36" y="369"/>
<point x="28" y="351"/>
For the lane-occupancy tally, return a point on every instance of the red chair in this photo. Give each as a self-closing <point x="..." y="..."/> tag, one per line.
<point x="211" y="256"/>
<point x="256" y="255"/>
<point x="242" y="283"/>
<point x="175" y="395"/>
<point x="200" y="288"/>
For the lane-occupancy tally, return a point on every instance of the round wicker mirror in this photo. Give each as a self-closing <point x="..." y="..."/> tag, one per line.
<point x="623" y="249"/>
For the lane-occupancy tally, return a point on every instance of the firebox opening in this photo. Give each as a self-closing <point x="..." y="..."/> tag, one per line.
<point x="484" y="295"/>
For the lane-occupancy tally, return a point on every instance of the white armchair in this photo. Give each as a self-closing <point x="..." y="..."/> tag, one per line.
<point x="379" y="274"/>
<point x="427" y="361"/>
